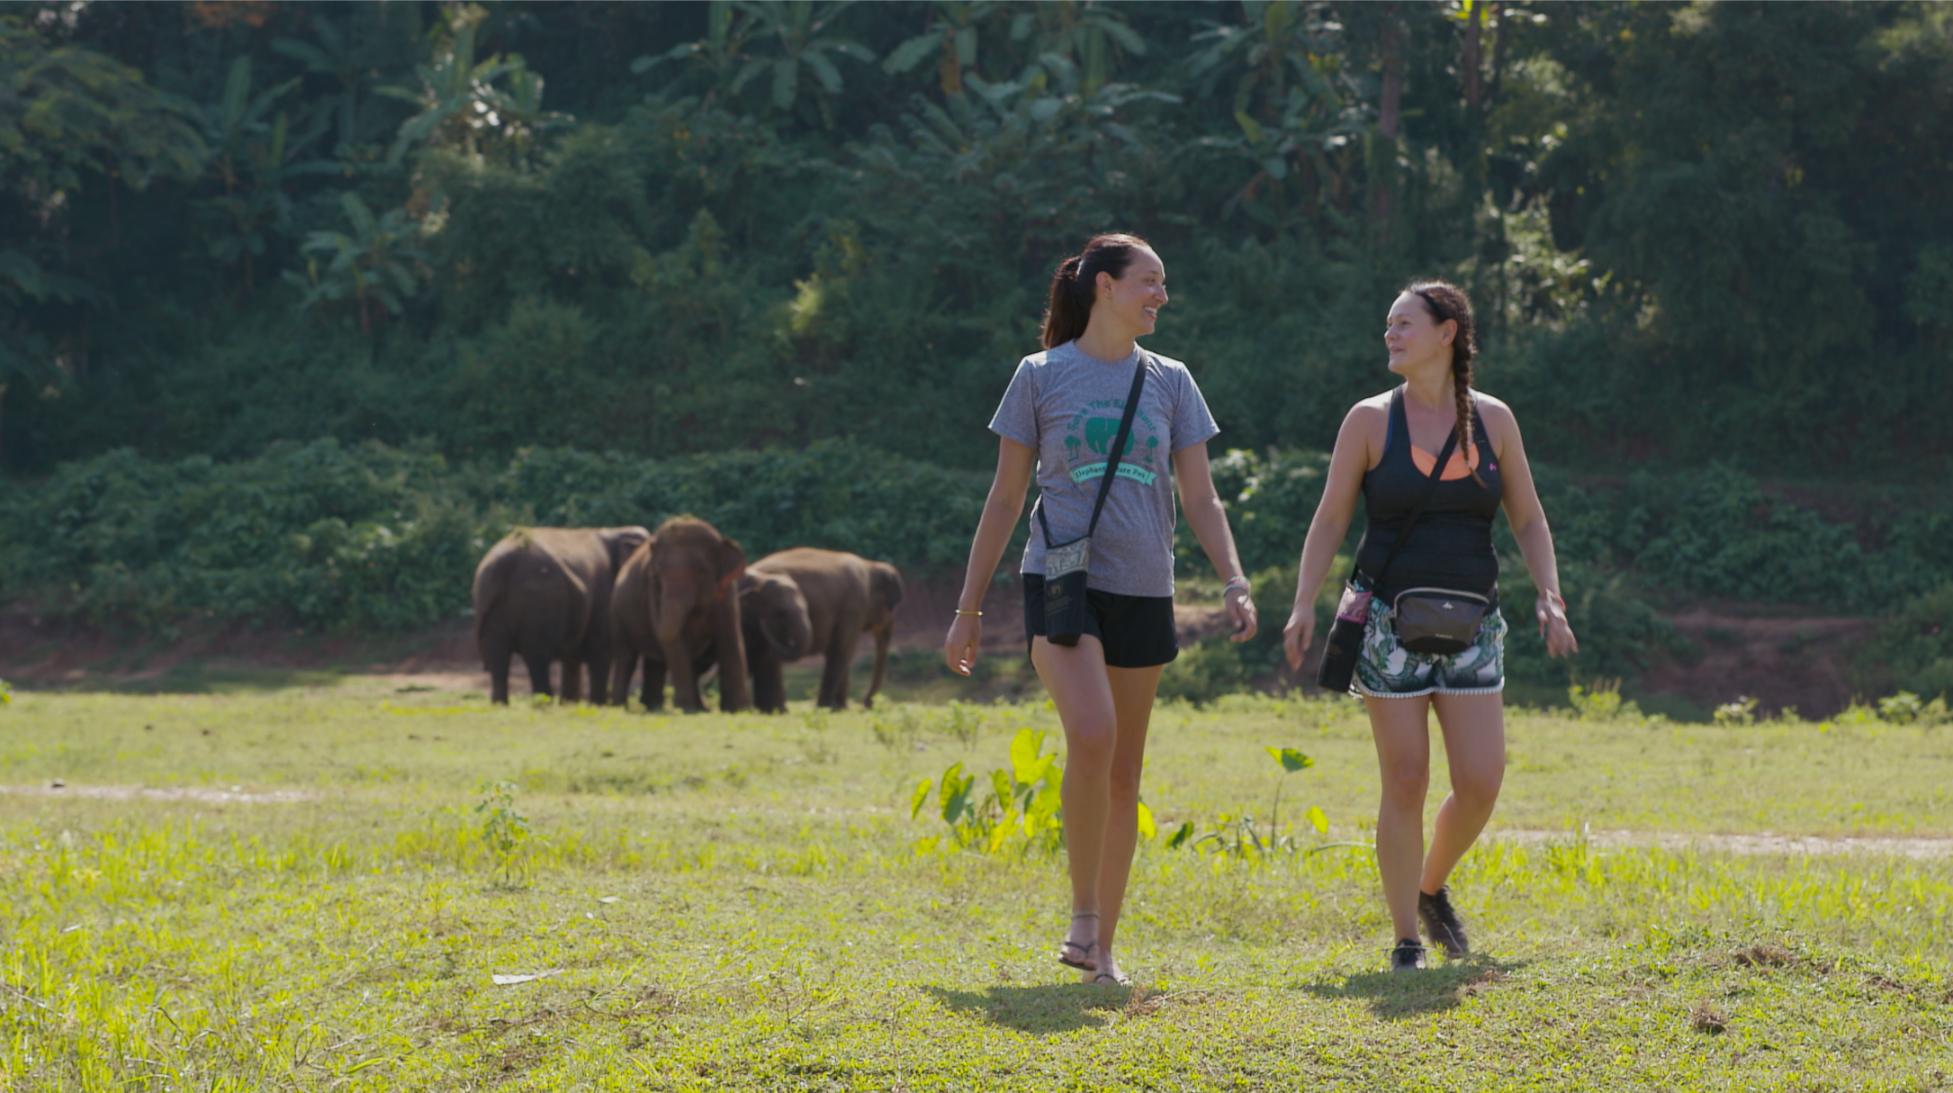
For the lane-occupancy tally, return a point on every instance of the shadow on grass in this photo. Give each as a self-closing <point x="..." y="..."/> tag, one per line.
<point x="1394" y="995"/>
<point x="1051" y="1008"/>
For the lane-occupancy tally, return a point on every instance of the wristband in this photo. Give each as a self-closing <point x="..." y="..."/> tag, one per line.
<point x="1237" y="582"/>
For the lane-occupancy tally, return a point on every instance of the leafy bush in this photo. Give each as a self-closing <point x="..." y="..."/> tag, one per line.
<point x="1019" y="810"/>
<point x="1914" y="650"/>
<point x="381" y="538"/>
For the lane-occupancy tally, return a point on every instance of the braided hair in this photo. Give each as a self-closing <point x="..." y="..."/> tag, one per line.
<point x="1446" y="301"/>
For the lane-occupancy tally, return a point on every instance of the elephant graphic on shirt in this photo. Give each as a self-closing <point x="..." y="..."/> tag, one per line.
<point x="1099" y="434"/>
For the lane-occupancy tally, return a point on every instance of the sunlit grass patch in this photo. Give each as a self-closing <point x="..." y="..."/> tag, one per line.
<point x="749" y="902"/>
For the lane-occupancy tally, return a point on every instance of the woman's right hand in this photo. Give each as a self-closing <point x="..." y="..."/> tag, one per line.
<point x="961" y="643"/>
<point x="1299" y="632"/>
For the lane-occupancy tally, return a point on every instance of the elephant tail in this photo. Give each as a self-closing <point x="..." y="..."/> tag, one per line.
<point x="490" y="583"/>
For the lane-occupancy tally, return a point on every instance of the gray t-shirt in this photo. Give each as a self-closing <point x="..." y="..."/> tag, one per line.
<point x="1066" y="406"/>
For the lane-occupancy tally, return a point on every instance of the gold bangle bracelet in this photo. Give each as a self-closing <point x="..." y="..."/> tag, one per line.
<point x="978" y="614"/>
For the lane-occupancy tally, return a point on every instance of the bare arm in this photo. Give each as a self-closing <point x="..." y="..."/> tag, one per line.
<point x="1347" y="465"/>
<point x="1015" y="462"/>
<point x="1529" y="529"/>
<point x="1208" y="519"/>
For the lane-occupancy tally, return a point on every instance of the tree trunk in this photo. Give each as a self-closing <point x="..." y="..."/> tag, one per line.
<point x="1469" y="62"/>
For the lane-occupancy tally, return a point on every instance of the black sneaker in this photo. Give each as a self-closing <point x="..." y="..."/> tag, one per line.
<point x="1408" y="956"/>
<point x="1443" y="923"/>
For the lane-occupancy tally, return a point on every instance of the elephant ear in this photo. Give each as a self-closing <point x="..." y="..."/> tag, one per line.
<point x="732" y="564"/>
<point x="621" y="543"/>
<point x="886" y="581"/>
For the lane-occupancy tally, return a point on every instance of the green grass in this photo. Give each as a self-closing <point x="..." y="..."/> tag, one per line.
<point x="739" y="902"/>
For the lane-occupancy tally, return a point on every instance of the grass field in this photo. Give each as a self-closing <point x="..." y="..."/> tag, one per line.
<point x="314" y="888"/>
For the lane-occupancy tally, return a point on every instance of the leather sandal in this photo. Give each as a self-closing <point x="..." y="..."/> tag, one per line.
<point x="1112" y="979"/>
<point x="1084" y="961"/>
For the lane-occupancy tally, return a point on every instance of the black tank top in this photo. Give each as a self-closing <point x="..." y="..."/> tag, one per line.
<point x="1452" y="545"/>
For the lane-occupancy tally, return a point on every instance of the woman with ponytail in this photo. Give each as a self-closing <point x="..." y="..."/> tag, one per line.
<point x="1429" y="536"/>
<point x="1057" y="421"/>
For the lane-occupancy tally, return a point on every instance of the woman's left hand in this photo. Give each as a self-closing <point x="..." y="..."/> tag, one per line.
<point x="1241" y="612"/>
<point x="1550" y="611"/>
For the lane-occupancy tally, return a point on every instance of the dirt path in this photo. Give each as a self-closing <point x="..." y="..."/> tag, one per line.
<point x="200" y="794"/>
<point x="1924" y="848"/>
<point x="1921" y="847"/>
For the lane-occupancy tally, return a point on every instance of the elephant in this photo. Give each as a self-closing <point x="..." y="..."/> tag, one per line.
<point x="844" y="595"/>
<point x="544" y="594"/>
<point x="1100" y="432"/>
<point x="675" y="598"/>
<point x="777" y="628"/>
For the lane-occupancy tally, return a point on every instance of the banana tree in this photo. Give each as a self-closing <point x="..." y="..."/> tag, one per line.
<point x="1300" y="119"/>
<point x="788" y="43"/>
<point x="378" y="264"/>
<point x="462" y="102"/>
<point x="255" y="158"/>
<point x="1092" y="35"/>
<point x="375" y="39"/>
<point x="952" y="39"/>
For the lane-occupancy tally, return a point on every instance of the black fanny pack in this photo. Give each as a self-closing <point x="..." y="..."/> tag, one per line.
<point x="1439" y="621"/>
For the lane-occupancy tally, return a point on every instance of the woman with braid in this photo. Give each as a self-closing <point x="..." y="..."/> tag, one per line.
<point x="1058" y="421"/>
<point x="1386" y="452"/>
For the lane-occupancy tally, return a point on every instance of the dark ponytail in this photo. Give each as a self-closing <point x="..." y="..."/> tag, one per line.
<point x="1446" y="301"/>
<point x="1072" y="286"/>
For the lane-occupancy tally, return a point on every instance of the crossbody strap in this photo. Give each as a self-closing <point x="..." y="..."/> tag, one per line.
<point x="1118" y="448"/>
<point x="1430" y="487"/>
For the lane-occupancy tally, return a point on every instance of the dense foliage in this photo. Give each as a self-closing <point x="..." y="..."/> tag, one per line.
<point x="369" y="537"/>
<point x="1695" y="231"/>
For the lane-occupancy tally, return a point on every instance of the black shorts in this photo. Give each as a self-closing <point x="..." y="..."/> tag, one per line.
<point x="1137" y="631"/>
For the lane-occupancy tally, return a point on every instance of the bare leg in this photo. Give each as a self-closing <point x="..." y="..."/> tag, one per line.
<point x="1474" y="747"/>
<point x="1076" y="679"/>
<point x="1401" y="728"/>
<point x="1132" y="702"/>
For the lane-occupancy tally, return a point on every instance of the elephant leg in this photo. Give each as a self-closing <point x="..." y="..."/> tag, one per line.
<point x="654" y="684"/>
<point x="623" y="665"/>
<point x="497" y="655"/>
<point x="834" y="674"/>
<point x="769" y="679"/>
<point x="538" y="674"/>
<point x="882" y="635"/>
<point x="684" y="683"/>
<point x="572" y="680"/>
<point x="599" y="679"/>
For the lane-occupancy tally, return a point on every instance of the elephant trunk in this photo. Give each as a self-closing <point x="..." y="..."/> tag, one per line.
<point x="728" y="636"/>
<point x="784" y="621"/>
<point x="675" y="605"/>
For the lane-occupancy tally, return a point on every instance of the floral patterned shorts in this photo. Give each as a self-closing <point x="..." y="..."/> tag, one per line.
<point x="1388" y="670"/>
